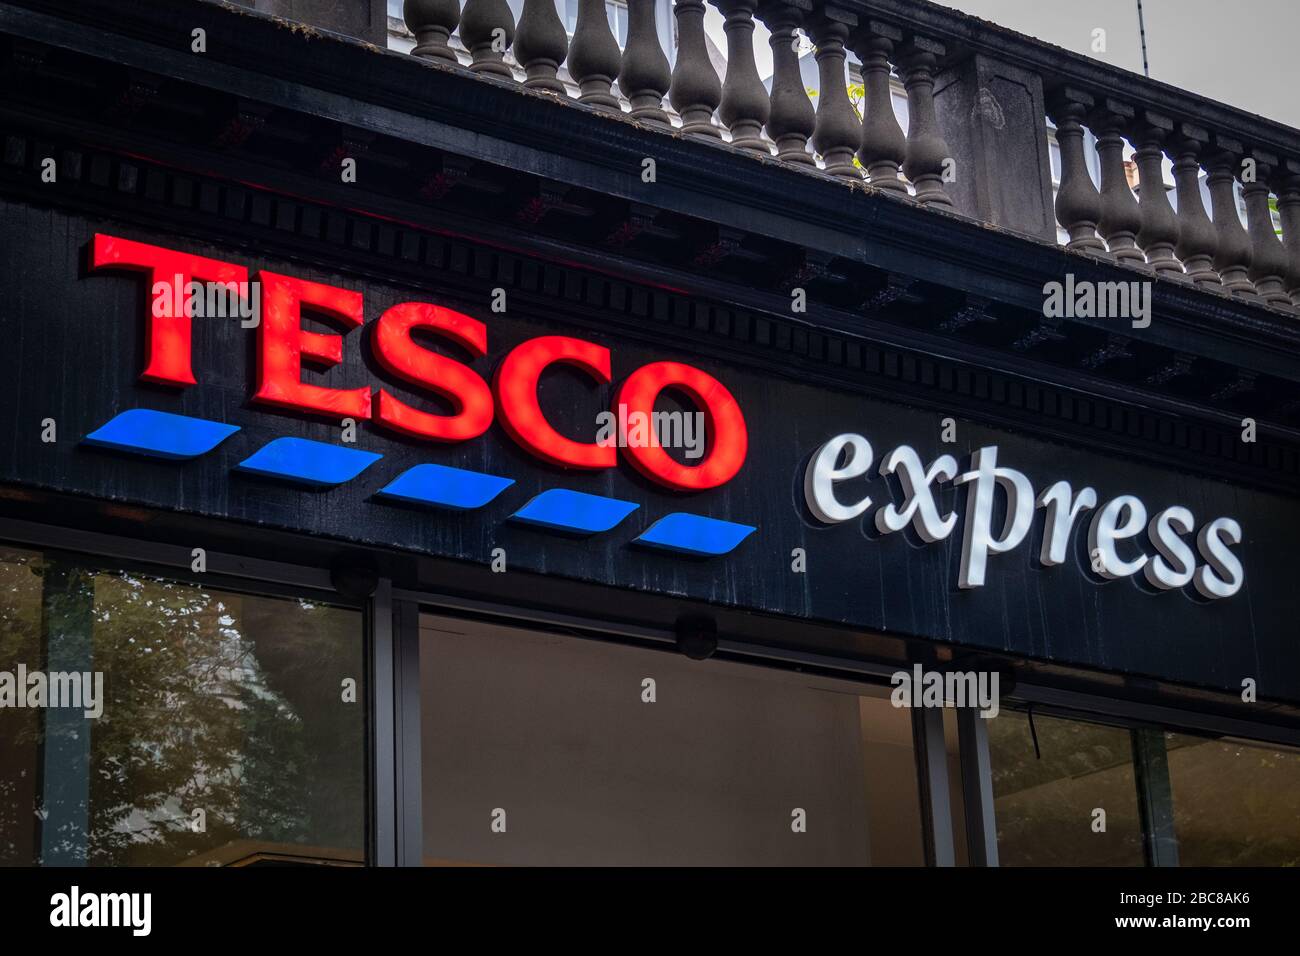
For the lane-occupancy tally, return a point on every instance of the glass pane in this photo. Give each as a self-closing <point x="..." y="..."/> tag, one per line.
<point x="542" y="749"/>
<point x="225" y="732"/>
<point x="20" y="728"/>
<point x="1045" y="807"/>
<point x="1236" y="803"/>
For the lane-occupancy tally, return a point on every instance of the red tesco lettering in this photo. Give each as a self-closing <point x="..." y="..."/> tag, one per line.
<point x="284" y="347"/>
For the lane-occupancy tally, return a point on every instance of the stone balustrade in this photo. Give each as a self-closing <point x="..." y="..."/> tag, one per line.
<point x="977" y="139"/>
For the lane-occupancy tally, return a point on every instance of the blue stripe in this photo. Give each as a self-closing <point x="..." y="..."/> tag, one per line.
<point x="160" y="434"/>
<point x="695" y="534"/>
<point x="309" y="462"/>
<point x="445" y="487"/>
<point x="563" y="510"/>
<point x="176" y="437"/>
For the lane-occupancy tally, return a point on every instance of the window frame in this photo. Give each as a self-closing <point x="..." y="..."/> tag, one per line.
<point x="105" y="553"/>
<point x="391" y="635"/>
<point x="1147" y="725"/>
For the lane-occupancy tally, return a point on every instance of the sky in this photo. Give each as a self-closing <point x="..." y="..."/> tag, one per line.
<point x="1241" y="53"/>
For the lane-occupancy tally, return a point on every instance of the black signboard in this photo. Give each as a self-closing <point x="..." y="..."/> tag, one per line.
<point x="74" y="349"/>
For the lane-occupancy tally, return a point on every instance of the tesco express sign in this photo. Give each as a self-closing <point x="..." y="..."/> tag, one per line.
<point x="284" y="346"/>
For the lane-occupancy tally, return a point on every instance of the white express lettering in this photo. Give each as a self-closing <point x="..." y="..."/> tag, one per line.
<point x="1222" y="576"/>
<point x="1108" y="527"/>
<point x="979" y="542"/>
<point x="1063" y="510"/>
<point x="824" y="470"/>
<point x="919" y="506"/>
<point x="1122" y="518"/>
<point x="1175" y="565"/>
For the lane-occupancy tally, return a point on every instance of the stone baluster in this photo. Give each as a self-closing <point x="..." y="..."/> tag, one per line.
<point x="432" y="22"/>
<point x="594" y="56"/>
<point x="487" y="28"/>
<point x="645" y="74"/>
<point x="927" y="152"/>
<point x="541" y="45"/>
<point x="696" y="90"/>
<point x="1159" y="232"/>
<point x="1268" y="259"/>
<point x="1232" y="245"/>
<point x="1196" y="236"/>
<point x="745" y="106"/>
<point x="1078" y="204"/>
<point x="1120" y="216"/>
<point x="1288" y="208"/>
<point x="883" y="147"/>
<point x="791" y="119"/>
<point x="838" y="133"/>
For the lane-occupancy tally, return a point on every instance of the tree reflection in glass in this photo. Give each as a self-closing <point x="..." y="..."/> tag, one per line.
<point x="227" y="733"/>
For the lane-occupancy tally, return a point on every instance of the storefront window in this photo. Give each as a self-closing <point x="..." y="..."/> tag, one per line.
<point x="1236" y="803"/>
<point x="226" y="731"/>
<point x="549" y="749"/>
<point x="1073" y="804"/>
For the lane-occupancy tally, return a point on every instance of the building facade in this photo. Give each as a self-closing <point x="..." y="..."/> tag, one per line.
<point x="539" y="443"/>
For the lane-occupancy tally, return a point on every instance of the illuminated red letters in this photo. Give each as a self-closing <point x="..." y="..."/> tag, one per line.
<point x="724" y="424"/>
<point x="400" y="354"/>
<point x="284" y="347"/>
<point x="516" y="387"/>
<point x="283" y="344"/>
<point x="167" y="335"/>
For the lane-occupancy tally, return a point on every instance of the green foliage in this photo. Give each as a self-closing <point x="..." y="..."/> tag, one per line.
<point x="857" y="93"/>
<point x="216" y="701"/>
